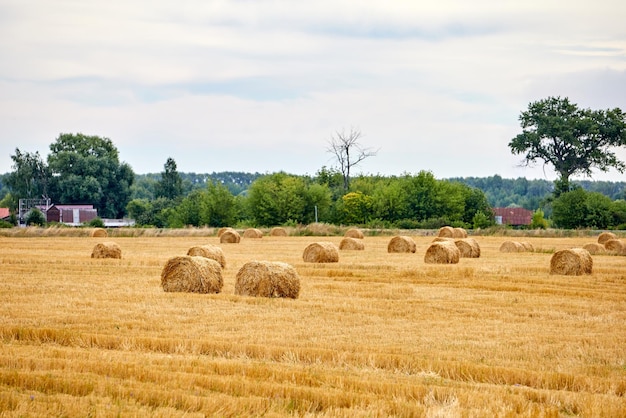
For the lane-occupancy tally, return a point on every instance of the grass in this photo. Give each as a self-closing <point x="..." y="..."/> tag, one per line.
<point x="376" y="334"/>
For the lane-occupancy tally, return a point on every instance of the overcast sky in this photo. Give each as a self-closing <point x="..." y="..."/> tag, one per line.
<point x="262" y="86"/>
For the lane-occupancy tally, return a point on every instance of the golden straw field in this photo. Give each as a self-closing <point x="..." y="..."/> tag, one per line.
<point x="373" y="335"/>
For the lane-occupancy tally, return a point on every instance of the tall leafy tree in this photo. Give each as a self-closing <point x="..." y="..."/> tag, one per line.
<point x="86" y="169"/>
<point x="31" y="176"/>
<point x="570" y="139"/>
<point x="171" y="184"/>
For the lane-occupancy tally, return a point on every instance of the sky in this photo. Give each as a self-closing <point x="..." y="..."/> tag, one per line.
<point x="264" y="85"/>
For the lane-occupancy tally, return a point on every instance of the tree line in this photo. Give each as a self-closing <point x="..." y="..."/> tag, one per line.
<point x="86" y="169"/>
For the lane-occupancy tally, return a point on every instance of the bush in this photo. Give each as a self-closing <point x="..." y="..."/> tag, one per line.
<point x="96" y="223"/>
<point x="35" y="217"/>
<point x="5" y="224"/>
<point x="538" y="221"/>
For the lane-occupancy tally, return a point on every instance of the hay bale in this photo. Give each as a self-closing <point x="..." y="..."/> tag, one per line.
<point x="192" y="274"/>
<point x="441" y="239"/>
<point x="230" y="236"/>
<point x="511" y="247"/>
<point x="401" y="244"/>
<point x="468" y="247"/>
<point x="209" y="251"/>
<point x="354" y="233"/>
<point x="321" y="252"/>
<point x="605" y="236"/>
<point x="615" y="246"/>
<point x="106" y="250"/>
<point x="459" y="233"/>
<point x="223" y="229"/>
<point x="278" y="232"/>
<point x="446" y="231"/>
<point x="527" y="246"/>
<point x="349" y="243"/>
<point x="442" y="252"/>
<point x="594" y="248"/>
<point x="267" y="279"/>
<point x="252" y="233"/>
<point x="571" y="262"/>
<point x="99" y="233"/>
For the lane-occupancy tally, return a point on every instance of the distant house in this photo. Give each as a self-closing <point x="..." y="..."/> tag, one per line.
<point x="513" y="216"/>
<point x="5" y="214"/>
<point x="71" y="214"/>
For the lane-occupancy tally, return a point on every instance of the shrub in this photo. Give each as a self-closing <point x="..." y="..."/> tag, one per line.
<point x="35" y="217"/>
<point x="96" y="223"/>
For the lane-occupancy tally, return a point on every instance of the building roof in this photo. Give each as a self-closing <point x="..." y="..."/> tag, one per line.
<point x="513" y="216"/>
<point x="4" y="213"/>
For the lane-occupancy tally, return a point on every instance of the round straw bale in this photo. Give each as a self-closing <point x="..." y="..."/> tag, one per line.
<point x="354" y="233"/>
<point x="605" y="236"/>
<point x="468" y="247"/>
<point x="267" y="279"/>
<point x="99" y="233"/>
<point x="442" y="252"/>
<point x="594" y="248"/>
<point x="615" y="246"/>
<point x="440" y="239"/>
<point x="321" y="252"/>
<point x="252" y="233"/>
<point x="571" y="262"/>
<point x="223" y="229"/>
<point x="349" y="243"/>
<point x="446" y="231"/>
<point x="106" y="250"/>
<point x="511" y="247"/>
<point x="278" y="231"/>
<point x="401" y="244"/>
<point x="459" y="233"/>
<point x="209" y="251"/>
<point x="230" y="236"/>
<point x="527" y="246"/>
<point x="192" y="274"/>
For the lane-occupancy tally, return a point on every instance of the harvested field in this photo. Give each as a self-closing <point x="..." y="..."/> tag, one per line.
<point x="374" y="334"/>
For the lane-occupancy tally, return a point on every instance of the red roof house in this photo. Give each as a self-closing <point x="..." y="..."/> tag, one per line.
<point x="4" y="213"/>
<point x="513" y="216"/>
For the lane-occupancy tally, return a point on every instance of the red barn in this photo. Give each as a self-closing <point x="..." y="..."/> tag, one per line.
<point x="71" y="214"/>
<point x="513" y="216"/>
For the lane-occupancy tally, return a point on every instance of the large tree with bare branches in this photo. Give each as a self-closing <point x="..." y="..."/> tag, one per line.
<point x="348" y="151"/>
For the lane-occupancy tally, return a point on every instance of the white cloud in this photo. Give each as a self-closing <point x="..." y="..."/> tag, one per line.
<point x="261" y="85"/>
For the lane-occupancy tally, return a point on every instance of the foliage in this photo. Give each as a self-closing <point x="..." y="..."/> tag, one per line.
<point x="5" y="224"/>
<point x="171" y="184"/>
<point x="277" y="198"/>
<point x="86" y="169"/>
<point x="538" y="221"/>
<point x="96" y="222"/>
<point x="570" y="139"/>
<point x="31" y="176"/>
<point x="581" y="209"/>
<point x="35" y="217"/>
<point x="356" y="208"/>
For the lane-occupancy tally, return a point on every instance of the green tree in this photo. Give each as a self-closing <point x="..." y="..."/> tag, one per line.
<point x="357" y="208"/>
<point x="218" y="205"/>
<point x="277" y="198"/>
<point x="571" y="140"/>
<point x="171" y="184"/>
<point x="581" y="209"/>
<point x="86" y="169"/>
<point x="31" y="176"/>
<point x="35" y="217"/>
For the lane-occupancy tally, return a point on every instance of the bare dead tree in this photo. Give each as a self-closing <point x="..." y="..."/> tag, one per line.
<point x="348" y="151"/>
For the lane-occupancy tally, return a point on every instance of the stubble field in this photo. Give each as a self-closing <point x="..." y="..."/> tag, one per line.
<point x="375" y="334"/>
